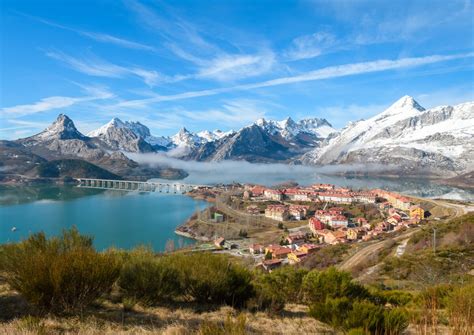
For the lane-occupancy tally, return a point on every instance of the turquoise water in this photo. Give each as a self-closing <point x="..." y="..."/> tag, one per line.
<point x="126" y="220"/>
<point x="122" y="220"/>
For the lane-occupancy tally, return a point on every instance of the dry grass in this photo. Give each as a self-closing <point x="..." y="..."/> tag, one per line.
<point x="110" y="318"/>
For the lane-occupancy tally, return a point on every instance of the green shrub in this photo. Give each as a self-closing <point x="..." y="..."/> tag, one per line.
<point x="360" y="316"/>
<point x="212" y="278"/>
<point x="273" y="290"/>
<point x="460" y="305"/>
<point x="332" y="311"/>
<point x="393" y="297"/>
<point x="61" y="273"/>
<point x="149" y="279"/>
<point x="395" y="321"/>
<point x="336" y="300"/>
<point x="331" y="283"/>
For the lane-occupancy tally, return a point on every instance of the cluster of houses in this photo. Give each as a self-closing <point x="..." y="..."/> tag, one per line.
<point x="294" y="251"/>
<point x="332" y="226"/>
<point x="284" y="212"/>
<point x="316" y="192"/>
<point x="328" y="226"/>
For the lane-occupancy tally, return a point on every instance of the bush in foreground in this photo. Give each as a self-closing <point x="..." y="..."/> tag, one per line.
<point x="149" y="279"/>
<point x="60" y="274"/>
<point x="331" y="283"/>
<point x="335" y="299"/>
<point x="212" y="278"/>
<point x="273" y="290"/>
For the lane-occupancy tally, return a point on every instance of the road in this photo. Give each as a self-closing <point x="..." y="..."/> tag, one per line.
<point x="361" y="255"/>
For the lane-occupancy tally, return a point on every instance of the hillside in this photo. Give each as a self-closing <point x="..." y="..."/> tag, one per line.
<point x="72" y="168"/>
<point x="202" y="293"/>
<point x="406" y="138"/>
<point x="61" y="150"/>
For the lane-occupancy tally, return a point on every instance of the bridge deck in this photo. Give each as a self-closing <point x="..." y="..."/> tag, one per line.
<point x="139" y="186"/>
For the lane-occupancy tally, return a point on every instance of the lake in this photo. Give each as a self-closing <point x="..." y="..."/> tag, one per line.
<point x="126" y="220"/>
<point x="118" y="219"/>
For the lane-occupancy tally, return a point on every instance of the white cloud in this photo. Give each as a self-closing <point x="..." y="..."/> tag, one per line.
<point x="106" y="38"/>
<point x="186" y="41"/>
<point x="320" y="74"/>
<point x="100" y="68"/>
<point x="310" y="46"/>
<point x="233" y="67"/>
<point x="56" y="102"/>
<point x="237" y="112"/>
<point x="100" y="37"/>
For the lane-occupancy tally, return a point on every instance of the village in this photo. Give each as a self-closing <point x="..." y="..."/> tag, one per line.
<point x="283" y="225"/>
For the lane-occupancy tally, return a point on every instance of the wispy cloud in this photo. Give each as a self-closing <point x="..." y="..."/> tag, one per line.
<point x="55" y="102"/>
<point x="400" y="21"/>
<point x="106" y="38"/>
<point x="320" y="74"/>
<point x="100" y="68"/>
<point x="97" y="36"/>
<point x="310" y="46"/>
<point x="236" y="112"/>
<point x="233" y="67"/>
<point x="186" y="41"/>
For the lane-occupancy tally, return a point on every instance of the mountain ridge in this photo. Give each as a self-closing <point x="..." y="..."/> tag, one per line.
<point x="405" y="137"/>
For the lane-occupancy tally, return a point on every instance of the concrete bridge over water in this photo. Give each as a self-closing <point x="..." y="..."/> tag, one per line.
<point x="137" y="186"/>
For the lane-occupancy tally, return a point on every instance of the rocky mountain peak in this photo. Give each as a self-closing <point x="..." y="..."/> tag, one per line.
<point x="138" y="128"/>
<point x="63" y="128"/>
<point x="405" y="103"/>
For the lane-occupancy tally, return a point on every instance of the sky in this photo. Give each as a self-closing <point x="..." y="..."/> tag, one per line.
<point x="223" y="64"/>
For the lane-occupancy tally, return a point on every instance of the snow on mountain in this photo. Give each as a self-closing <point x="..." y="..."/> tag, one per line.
<point x="63" y="128"/>
<point x="126" y="136"/>
<point x="214" y="135"/>
<point x="130" y="136"/>
<point x="289" y="129"/>
<point x="406" y="134"/>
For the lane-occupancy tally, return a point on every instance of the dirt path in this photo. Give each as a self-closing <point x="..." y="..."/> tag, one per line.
<point x="361" y="255"/>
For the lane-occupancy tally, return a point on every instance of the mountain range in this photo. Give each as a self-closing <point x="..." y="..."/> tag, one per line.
<point x="405" y="139"/>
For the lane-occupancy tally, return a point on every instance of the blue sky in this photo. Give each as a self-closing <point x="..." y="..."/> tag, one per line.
<point x="223" y="64"/>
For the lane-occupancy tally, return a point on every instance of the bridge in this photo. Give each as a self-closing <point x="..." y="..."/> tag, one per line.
<point x="137" y="186"/>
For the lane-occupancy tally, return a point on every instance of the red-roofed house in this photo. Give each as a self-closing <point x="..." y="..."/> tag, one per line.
<point x="315" y="224"/>
<point x="296" y="238"/>
<point x="277" y="212"/>
<point x="276" y="195"/>
<point x="339" y="220"/>
<point x="308" y="248"/>
<point x="298" y="212"/>
<point x="256" y="248"/>
<point x="327" y="236"/>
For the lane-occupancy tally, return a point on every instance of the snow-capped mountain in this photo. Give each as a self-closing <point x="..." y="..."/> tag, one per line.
<point x="289" y="129"/>
<point x="405" y="137"/>
<point x="61" y="129"/>
<point x="130" y="136"/>
<point x="62" y="140"/>
<point x="214" y="135"/>
<point x="437" y="139"/>
<point x="127" y="136"/>
<point x="266" y="141"/>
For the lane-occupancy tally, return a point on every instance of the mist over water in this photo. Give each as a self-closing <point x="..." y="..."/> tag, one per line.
<point x="209" y="173"/>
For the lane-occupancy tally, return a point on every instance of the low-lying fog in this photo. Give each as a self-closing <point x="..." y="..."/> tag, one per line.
<point x="208" y="173"/>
